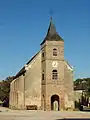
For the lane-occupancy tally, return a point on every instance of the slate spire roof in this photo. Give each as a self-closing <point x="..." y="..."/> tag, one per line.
<point x="52" y="35"/>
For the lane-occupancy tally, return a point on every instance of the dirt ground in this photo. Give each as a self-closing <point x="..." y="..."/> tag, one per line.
<point x="7" y="114"/>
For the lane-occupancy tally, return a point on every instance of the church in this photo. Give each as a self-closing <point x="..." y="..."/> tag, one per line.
<point x="46" y="80"/>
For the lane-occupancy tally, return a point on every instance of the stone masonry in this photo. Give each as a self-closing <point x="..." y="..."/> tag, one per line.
<point x="46" y="80"/>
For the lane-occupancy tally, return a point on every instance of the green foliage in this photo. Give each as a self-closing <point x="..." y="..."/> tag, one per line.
<point x="5" y="89"/>
<point x="82" y="84"/>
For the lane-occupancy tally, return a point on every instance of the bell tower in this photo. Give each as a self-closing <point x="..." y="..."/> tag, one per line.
<point x="52" y="62"/>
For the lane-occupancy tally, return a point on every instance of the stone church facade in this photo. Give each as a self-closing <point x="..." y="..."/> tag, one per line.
<point x="46" y="81"/>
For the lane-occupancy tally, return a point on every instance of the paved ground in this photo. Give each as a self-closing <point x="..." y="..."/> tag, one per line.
<point x="7" y="114"/>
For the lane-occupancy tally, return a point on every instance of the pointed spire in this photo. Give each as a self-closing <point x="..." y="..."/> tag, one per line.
<point x="52" y="35"/>
<point x="51" y="29"/>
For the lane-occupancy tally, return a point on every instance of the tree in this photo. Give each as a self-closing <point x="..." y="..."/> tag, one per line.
<point x="5" y="89"/>
<point x="82" y="84"/>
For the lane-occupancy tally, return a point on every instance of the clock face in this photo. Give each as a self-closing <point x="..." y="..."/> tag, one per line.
<point x="54" y="64"/>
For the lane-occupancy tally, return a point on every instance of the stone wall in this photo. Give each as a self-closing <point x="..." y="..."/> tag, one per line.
<point x="68" y="85"/>
<point x="17" y="93"/>
<point x="78" y="95"/>
<point x="29" y="89"/>
<point x="52" y="87"/>
<point x="33" y="82"/>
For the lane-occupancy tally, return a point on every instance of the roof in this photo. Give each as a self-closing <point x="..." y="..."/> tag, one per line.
<point x="23" y="70"/>
<point x="32" y="58"/>
<point x="52" y="35"/>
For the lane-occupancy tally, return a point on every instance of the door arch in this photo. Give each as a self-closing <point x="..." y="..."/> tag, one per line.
<point x="55" y="102"/>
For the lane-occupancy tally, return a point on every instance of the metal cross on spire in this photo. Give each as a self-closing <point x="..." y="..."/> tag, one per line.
<point x="51" y="14"/>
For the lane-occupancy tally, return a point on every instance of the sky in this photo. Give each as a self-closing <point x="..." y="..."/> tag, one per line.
<point x="24" y="24"/>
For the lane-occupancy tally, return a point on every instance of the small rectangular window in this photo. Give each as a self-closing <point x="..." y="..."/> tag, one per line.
<point x="42" y="76"/>
<point x="43" y="54"/>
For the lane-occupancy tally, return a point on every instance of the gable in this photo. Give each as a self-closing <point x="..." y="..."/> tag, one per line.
<point x="69" y="67"/>
<point x="32" y="61"/>
<point x="26" y="66"/>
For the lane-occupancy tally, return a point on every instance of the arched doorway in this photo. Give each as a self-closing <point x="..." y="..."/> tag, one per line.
<point x="55" y="102"/>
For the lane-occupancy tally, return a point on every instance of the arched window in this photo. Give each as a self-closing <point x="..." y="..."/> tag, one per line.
<point x="54" y="52"/>
<point x="54" y="74"/>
